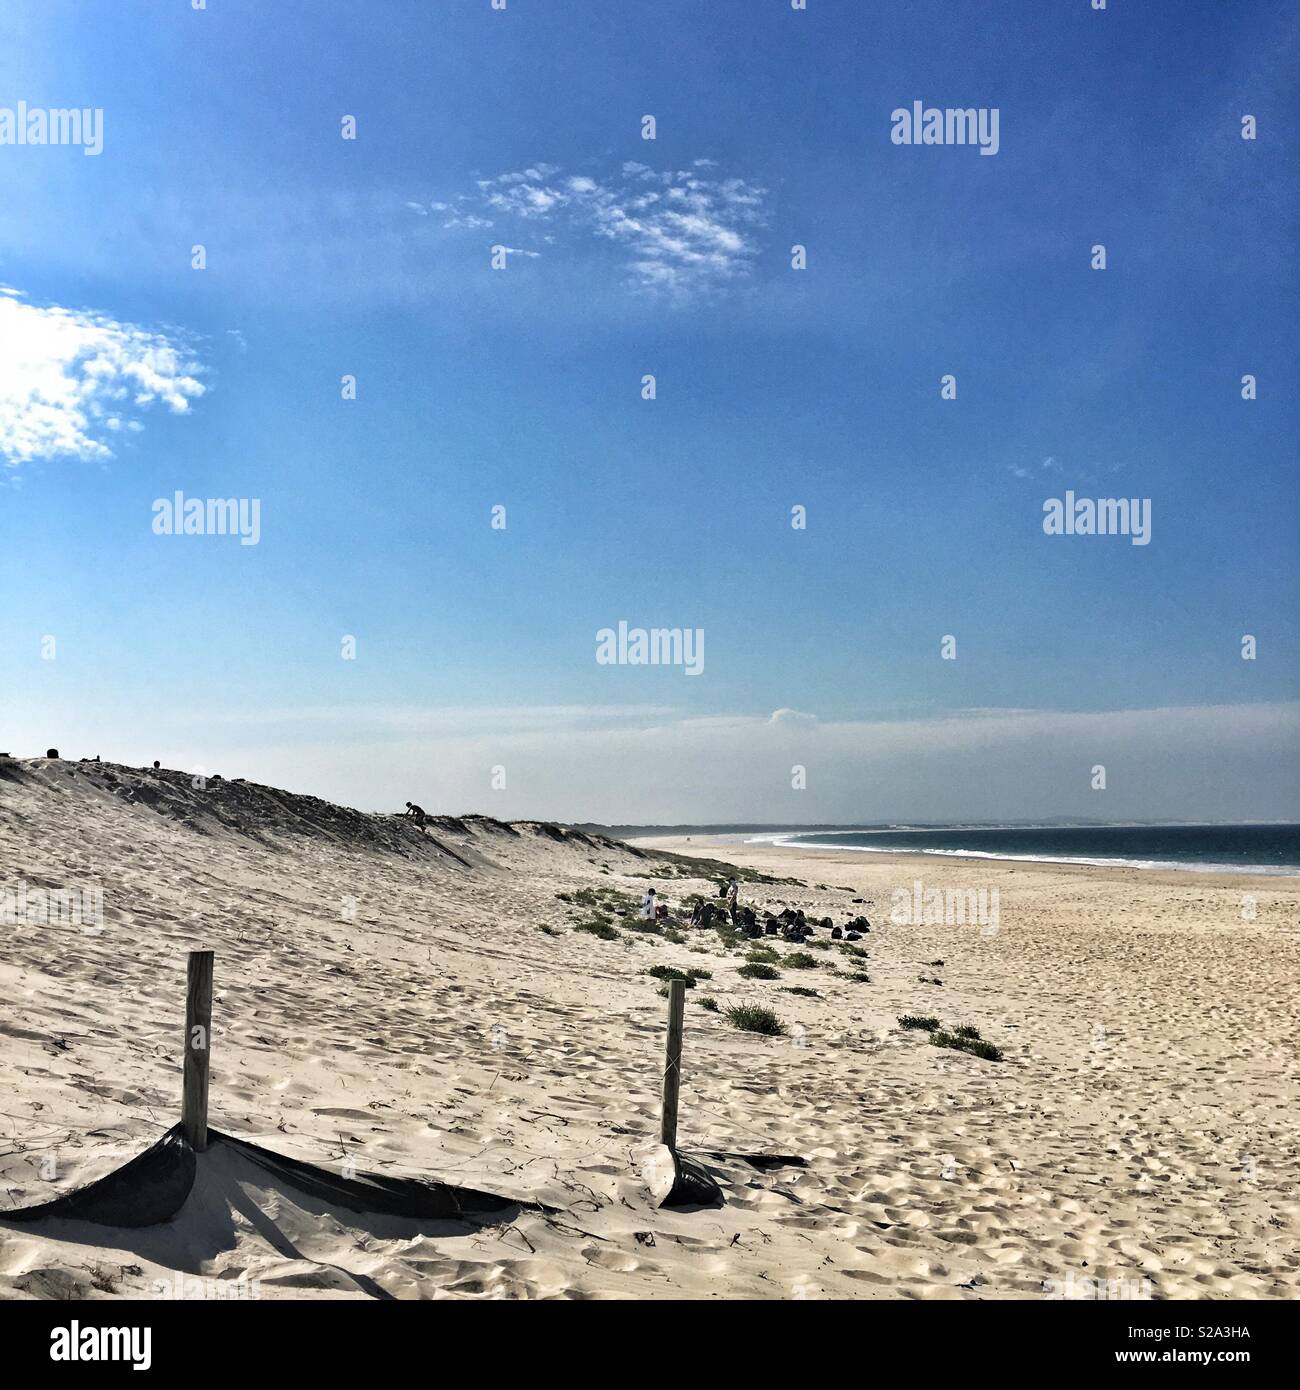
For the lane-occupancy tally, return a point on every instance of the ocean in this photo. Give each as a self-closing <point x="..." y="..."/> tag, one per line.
<point x="1261" y="849"/>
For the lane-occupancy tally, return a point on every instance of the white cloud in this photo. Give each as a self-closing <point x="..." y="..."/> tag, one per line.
<point x="793" y="717"/>
<point x="1052" y="465"/>
<point x="680" y="231"/>
<point x="527" y="200"/>
<point x="72" y="380"/>
<point x="467" y="220"/>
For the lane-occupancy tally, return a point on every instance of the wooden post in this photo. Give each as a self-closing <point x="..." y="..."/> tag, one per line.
<point x="198" y="1049"/>
<point x="673" y="1063"/>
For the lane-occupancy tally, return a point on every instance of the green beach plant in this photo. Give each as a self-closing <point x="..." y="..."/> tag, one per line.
<point x="977" y="1047"/>
<point x="754" y="1018"/>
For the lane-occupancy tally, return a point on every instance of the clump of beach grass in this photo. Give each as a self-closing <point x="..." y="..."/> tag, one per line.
<point x="670" y="972"/>
<point x="754" y="1018"/>
<point x="925" y="1022"/>
<point x="977" y="1047"/>
<point x="599" y="927"/>
<point x="800" y="960"/>
<point x="758" y="970"/>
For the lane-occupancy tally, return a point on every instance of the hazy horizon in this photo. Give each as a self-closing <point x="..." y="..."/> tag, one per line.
<point x="984" y="766"/>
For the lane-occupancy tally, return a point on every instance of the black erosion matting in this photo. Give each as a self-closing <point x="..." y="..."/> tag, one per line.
<point x="692" y="1186"/>
<point x="153" y="1187"/>
<point x="765" y="1163"/>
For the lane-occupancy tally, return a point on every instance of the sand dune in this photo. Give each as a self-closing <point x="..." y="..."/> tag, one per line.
<point x="390" y="1000"/>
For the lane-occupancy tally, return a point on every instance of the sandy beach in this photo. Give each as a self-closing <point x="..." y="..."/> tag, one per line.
<point x="427" y="1004"/>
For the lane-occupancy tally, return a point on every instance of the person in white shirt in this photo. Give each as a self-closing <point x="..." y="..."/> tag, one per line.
<point x="648" y="905"/>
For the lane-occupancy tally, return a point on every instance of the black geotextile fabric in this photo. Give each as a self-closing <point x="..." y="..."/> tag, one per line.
<point x="693" y="1185"/>
<point x="765" y="1163"/>
<point x="371" y="1191"/>
<point x="154" y="1185"/>
<point x="151" y="1188"/>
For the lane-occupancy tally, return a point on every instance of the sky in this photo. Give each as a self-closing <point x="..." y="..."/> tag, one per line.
<point x="828" y="689"/>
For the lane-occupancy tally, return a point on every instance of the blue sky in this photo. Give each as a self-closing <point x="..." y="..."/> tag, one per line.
<point x="776" y="387"/>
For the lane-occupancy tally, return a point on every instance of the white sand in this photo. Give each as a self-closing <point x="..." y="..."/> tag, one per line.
<point x="439" y="1033"/>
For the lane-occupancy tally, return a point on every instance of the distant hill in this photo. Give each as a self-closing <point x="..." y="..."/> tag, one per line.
<point x="752" y="828"/>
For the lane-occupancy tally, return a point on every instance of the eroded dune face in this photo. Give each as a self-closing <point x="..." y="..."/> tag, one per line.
<point x="209" y="803"/>
<point x="471" y="1004"/>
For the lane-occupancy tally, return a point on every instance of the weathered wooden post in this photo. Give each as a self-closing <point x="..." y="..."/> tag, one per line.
<point x="198" y="1049"/>
<point x="673" y="1063"/>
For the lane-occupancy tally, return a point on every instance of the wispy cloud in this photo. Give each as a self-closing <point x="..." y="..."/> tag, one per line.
<point x="71" y="381"/>
<point x="1018" y="470"/>
<point x="680" y="231"/>
<point x="367" y="720"/>
<point x="1051" y="466"/>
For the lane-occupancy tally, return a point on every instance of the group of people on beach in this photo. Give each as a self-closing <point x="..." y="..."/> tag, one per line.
<point x="791" y="924"/>
<point x="651" y="907"/>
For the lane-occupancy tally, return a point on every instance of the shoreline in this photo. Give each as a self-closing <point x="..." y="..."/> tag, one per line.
<point x="732" y="844"/>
